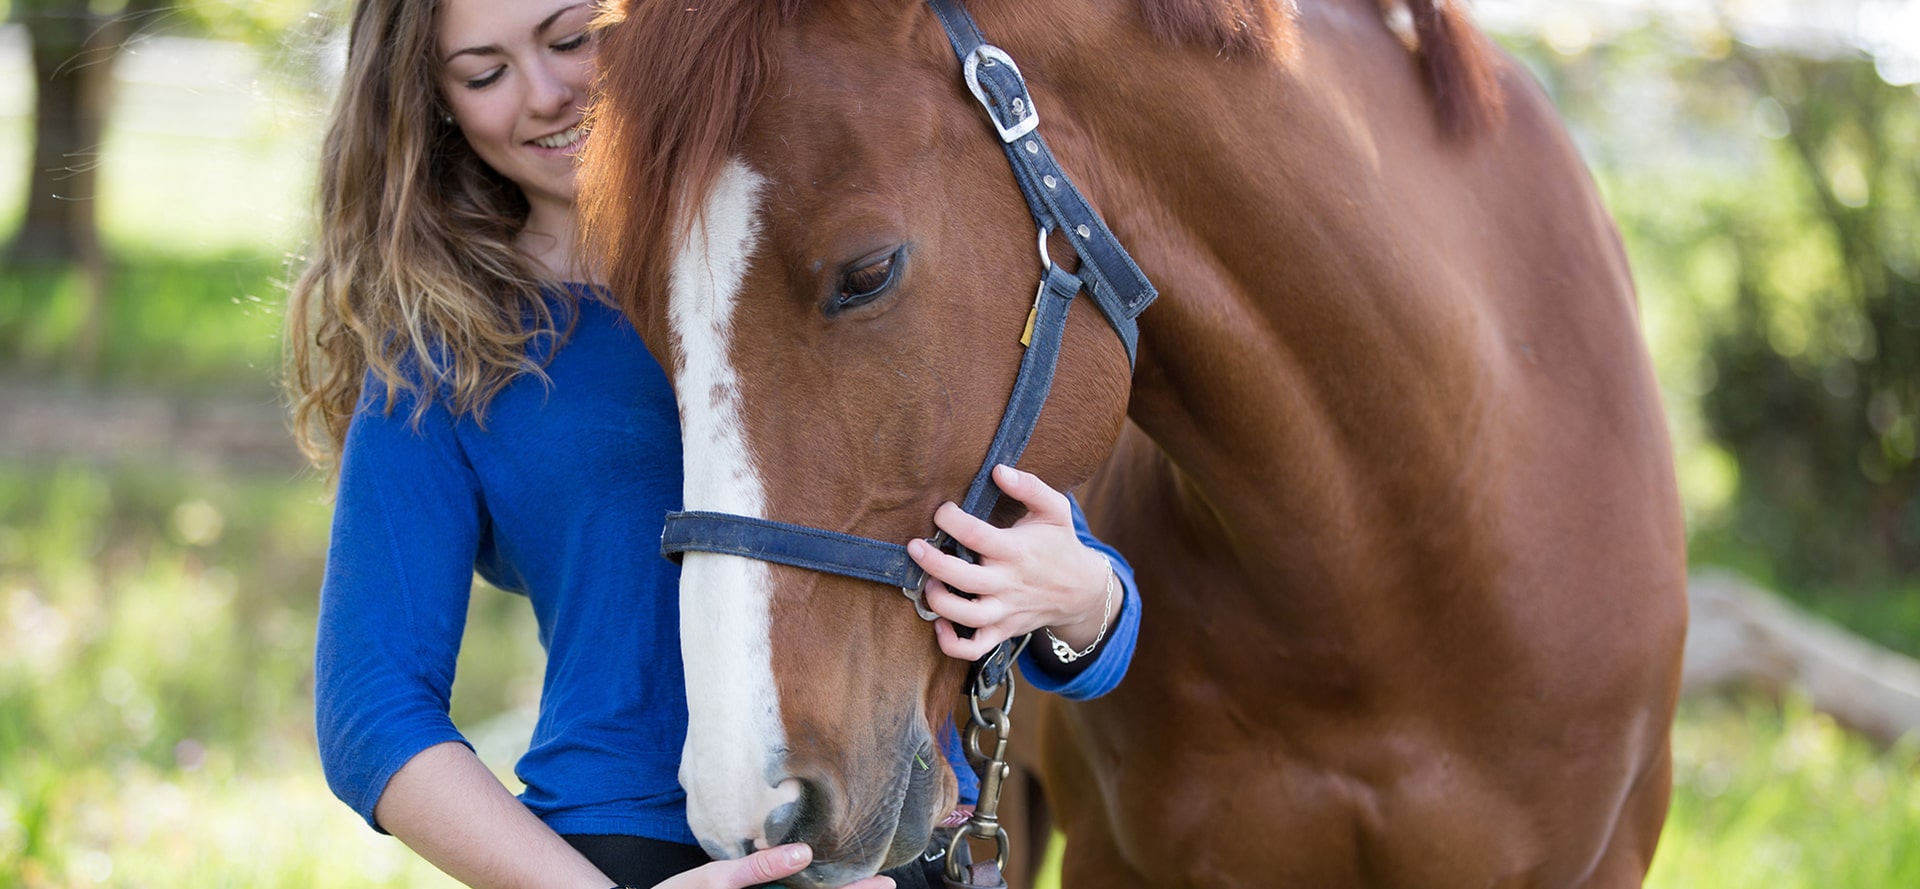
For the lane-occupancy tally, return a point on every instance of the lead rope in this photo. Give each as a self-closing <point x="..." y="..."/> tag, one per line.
<point x="983" y="716"/>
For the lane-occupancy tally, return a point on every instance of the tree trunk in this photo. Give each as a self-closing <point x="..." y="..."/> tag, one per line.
<point x="72" y="60"/>
<point x="73" y="50"/>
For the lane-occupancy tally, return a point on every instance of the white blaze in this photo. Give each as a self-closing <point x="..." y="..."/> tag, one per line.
<point x="734" y="734"/>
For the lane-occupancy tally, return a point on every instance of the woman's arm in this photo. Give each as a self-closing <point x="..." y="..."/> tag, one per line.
<point x="447" y="807"/>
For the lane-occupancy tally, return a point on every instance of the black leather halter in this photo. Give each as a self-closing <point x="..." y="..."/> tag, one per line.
<point x="1107" y="274"/>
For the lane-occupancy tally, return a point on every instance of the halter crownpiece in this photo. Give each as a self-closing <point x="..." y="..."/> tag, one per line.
<point x="1107" y="274"/>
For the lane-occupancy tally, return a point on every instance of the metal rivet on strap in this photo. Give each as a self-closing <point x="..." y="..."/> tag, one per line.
<point x="1050" y="181"/>
<point x="1083" y="231"/>
<point x="1019" y="107"/>
<point x="1033" y="147"/>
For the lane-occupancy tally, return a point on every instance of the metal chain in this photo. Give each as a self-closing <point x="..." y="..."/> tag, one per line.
<point x="985" y="716"/>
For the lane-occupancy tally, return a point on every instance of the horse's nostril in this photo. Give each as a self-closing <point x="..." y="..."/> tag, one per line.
<point x="780" y="823"/>
<point x="785" y="820"/>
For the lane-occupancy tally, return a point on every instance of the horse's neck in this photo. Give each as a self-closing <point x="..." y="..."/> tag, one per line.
<point x="1312" y="337"/>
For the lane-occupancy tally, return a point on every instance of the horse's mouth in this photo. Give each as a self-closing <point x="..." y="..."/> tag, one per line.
<point x="898" y="833"/>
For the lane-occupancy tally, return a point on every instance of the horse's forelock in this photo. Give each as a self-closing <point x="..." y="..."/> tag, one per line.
<point x="676" y="85"/>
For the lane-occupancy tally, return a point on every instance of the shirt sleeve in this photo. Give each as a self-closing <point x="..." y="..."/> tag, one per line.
<point x="1107" y="665"/>
<point x="393" y="602"/>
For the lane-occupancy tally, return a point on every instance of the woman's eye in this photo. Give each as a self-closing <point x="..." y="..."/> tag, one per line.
<point x="575" y="42"/>
<point x="486" y="80"/>
<point x="868" y="281"/>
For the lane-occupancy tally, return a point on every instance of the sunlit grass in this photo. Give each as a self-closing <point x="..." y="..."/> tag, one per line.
<point x="1781" y="797"/>
<point x="167" y="322"/>
<point x="156" y="636"/>
<point x="216" y="824"/>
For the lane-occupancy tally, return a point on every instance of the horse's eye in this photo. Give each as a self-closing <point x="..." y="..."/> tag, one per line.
<point x="866" y="282"/>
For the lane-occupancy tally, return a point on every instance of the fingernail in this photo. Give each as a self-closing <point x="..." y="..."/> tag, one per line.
<point x="797" y="854"/>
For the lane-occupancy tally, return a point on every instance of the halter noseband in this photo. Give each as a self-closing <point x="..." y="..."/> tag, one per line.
<point x="1108" y="275"/>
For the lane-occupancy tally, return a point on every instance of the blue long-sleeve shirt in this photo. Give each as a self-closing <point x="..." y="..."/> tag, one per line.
<point x="559" y="496"/>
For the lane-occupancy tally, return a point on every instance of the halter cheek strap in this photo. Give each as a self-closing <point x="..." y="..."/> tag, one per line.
<point x="1114" y="281"/>
<point x="1107" y="274"/>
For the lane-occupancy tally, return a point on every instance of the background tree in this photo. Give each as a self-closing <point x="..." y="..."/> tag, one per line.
<point x="73" y="46"/>
<point x="1819" y="392"/>
<point x="1770" y="198"/>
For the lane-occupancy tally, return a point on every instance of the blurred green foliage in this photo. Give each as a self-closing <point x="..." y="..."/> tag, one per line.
<point x="1771" y="206"/>
<point x="156" y="641"/>
<point x="177" y="321"/>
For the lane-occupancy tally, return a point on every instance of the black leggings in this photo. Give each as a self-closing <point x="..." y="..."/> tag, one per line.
<point x="643" y="862"/>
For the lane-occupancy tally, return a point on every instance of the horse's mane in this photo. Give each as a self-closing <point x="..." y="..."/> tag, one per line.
<point x="685" y="77"/>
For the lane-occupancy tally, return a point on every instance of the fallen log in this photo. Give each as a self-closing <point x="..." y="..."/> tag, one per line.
<point x="1743" y="636"/>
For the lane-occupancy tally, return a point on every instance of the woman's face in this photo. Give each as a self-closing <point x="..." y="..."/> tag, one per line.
<point x="515" y="75"/>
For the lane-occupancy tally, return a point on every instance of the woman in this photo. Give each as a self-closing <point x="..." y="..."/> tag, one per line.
<point x="486" y="409"/>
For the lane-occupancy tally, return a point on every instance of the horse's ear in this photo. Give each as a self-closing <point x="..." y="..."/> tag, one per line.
<point x="1456" y="59"/>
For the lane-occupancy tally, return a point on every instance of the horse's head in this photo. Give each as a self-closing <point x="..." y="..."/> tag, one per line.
<point x="812" y="223"/>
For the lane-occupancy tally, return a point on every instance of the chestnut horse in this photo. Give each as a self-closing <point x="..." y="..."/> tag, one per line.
<point x="1391" y="467"/>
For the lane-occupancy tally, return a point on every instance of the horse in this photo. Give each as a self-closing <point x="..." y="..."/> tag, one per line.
<point x="1390" y="461"/>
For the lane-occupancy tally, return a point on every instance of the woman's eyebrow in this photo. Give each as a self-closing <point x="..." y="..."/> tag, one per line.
<point x="549" y="20"/>
<point x="493" y="49"/>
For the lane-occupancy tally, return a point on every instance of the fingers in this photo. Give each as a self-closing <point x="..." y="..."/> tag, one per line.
<point x="973" y="649"/>
<point x="952" y="570"/>
<point x="1042" y="501"/>
<point x="986" y="540"/>
<point x="764" y="866"/>
<point x="1044" y="505"/>
<point x="961" y="610"/>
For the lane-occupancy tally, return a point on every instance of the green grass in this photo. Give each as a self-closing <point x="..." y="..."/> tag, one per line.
<point x="1781" y="797"/>
<point x="156" y="636"/>
<point x="169" y="321"/>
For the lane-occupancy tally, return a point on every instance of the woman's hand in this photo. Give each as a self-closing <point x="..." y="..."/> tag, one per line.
<point x="764" y="866"/>
<point x="1035" y="574"/>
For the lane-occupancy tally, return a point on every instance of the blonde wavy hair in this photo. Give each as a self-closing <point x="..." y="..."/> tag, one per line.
<point x="413" y="275"/>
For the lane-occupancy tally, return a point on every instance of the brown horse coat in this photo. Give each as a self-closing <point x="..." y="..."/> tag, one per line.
<point x="1393" y="473"/>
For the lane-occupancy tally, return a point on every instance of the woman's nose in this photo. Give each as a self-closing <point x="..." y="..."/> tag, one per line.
<point x="552" y="93"/>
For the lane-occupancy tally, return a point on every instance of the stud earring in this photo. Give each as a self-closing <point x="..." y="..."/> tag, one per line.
<point x="446" y="118"/>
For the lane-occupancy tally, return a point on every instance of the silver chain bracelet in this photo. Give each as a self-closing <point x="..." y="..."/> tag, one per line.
<point x="1065" y="652"/>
